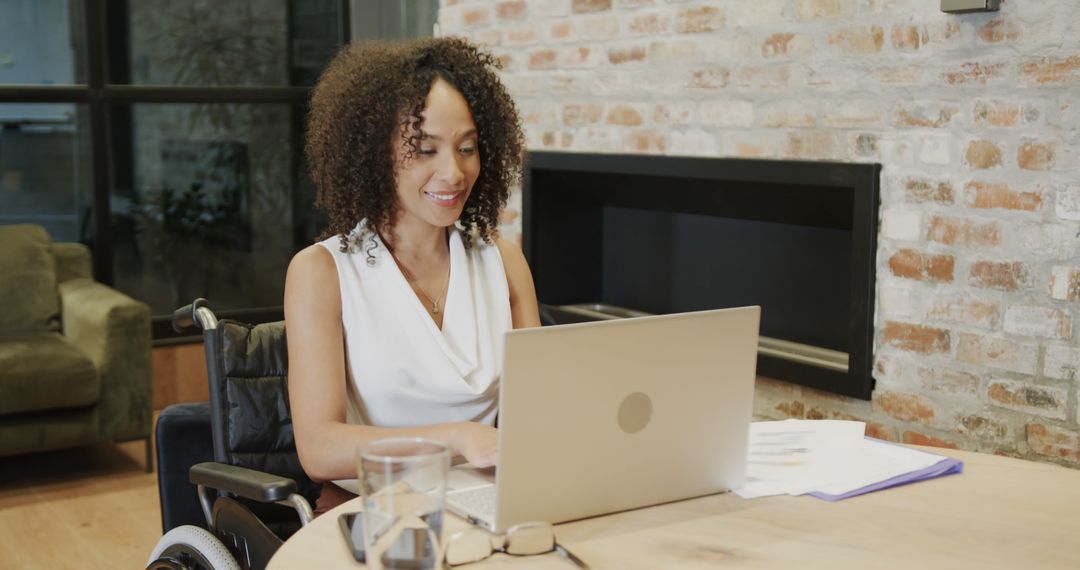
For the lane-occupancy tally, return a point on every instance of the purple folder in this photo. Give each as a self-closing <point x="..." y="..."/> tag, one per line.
<point x="947" y="466"/>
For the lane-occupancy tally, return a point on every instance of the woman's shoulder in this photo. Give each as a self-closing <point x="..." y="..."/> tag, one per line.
<point x="509" y="250"/>
<point x="312" y="264"/>
<point x="312" y="281"/>
<point x="313" y="255"/>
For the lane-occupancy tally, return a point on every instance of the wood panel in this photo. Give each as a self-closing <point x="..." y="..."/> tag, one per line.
<point x="179" y="373"/>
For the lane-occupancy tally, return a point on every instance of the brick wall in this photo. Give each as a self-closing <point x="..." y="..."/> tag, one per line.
<point x="972" y="116"/>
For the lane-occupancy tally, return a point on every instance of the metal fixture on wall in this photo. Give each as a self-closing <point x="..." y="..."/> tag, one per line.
<point x="961" y="6"/>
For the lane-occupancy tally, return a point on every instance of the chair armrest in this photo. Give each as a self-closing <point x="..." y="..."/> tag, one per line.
<point x="248" y="483"/>
<point x="72" y="261"/>
<point x="113" y="330"/>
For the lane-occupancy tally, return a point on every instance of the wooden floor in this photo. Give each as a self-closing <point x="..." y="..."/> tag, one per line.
<point x="93" y="507"/>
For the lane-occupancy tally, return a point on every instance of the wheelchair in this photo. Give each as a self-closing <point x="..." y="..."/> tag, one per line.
<point x="235" y="456"/>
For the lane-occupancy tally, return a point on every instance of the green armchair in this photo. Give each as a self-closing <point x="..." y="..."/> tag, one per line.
<point x="74" y="354"/>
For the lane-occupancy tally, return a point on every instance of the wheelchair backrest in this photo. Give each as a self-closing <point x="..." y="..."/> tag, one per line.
<point x="248" y="367"/>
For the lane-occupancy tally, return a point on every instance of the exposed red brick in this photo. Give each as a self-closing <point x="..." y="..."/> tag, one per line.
<point x="899" y="75"/>
<point x="956" y="231"/>
<point x="1065" y="283"/>
<point x="999" y="30"/>
<point x="996" y="113"/>
<point x="764" y="76"/>
<point x="1052" y="441"/>
<point x="999" y="195"/>
<point x="794" y="409"/>
<point x="915" y="116"/>
<point x="626" y="55"/>
<point x="576" y="57"/>
<point x="880" y="431"/>
<point x="916" y="438"/>
<point x="543" y="59"/>
<point x="712" y="78"/>
<point x="983" y="154"/>
<point x="776" y="45"/>
<point x="624" y="115"/>
<point x="974" y="72"/>
<point x="746" y="149"/>
<point x="581" y="114"/>
<point x="905" y="407"/>
<point x="948" y="381"/>
<point x="1024" y="396"/>
<point x="1035" y="156"/>
<point x="510" y="10"/>
<point x="586" y="6"/>
<point x="1051" y="70"/>
<point x="924" y="267"/>
<point x="810" y="144"/>
<point x="519" y="36"/>
<point x="810" y="9"/>
<point x="859" y="40"/>
<point x="915" y="338"/>
<point x="669" y="115"/>
<point x="649" y="24"/>
<point x="908" y="38"/>
<point x="650" y="142"/>
<point x="927" y="191"/>
<point x="975" y="425"/>
<point x="696" y="20"/>
<point x="962" y="309"/>
<point x="997" y="352"/>
<point x="1001" y="275"/>
<point x="561" y="30"/>
<point x="476" y="16"/>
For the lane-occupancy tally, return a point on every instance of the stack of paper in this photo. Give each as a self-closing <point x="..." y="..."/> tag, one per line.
<point x="831" y="460"/>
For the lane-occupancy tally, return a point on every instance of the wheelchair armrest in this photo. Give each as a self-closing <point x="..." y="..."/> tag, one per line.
<point x="247" y="483"/>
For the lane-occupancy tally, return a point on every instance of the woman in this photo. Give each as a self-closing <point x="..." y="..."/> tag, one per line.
<point x="396" y="318"/>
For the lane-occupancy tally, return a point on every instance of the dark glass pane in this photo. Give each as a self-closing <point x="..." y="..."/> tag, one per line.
<point x="45" y="168"/>
<point x="214" y="204"/>
<point x="40" y="42"/>
<point x="224" y="42"/>
<point x="393" y="19"/>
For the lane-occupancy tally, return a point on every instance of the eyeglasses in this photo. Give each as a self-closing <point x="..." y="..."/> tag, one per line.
<point x="525" y="539"/>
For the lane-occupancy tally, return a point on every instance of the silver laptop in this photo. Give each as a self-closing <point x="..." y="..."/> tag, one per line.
<point x="613" y="415"/>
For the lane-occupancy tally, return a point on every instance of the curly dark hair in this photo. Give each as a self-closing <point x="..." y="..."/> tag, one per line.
<point x="373" y="89"/>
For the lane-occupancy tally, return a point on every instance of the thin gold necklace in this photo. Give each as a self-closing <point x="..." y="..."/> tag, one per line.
<point x="413" y="282"/>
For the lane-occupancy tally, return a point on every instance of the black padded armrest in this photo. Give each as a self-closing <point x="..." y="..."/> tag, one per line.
<point x="247" y="483"/>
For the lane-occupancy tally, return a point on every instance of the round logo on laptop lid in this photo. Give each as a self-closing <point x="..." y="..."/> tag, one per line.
<point x="635" y="412"/>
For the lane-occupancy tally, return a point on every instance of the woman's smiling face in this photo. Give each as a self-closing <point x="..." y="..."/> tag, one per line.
<point x="434" y="183"/>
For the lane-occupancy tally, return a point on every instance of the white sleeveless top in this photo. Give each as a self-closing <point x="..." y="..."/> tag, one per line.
<point x="402" y="370"/>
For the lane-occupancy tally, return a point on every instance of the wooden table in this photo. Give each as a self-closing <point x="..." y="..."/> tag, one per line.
<point x="1000" y="513"/>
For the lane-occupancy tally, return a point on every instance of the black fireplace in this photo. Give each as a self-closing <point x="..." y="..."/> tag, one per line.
<point x="622" y="235"/>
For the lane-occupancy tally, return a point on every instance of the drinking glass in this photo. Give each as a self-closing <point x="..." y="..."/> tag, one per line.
<point x="403" y="483"/>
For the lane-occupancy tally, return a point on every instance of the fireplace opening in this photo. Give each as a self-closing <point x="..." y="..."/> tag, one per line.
<point x="623" y="235"/>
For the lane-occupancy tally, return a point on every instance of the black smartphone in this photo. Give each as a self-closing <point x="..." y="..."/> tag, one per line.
<point x="352" y="525"/>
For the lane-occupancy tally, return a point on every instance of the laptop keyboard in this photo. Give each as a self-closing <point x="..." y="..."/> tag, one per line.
<point x="480" y="500"/>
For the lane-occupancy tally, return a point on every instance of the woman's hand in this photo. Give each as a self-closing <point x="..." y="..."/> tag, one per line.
<point x="478" y="443"/>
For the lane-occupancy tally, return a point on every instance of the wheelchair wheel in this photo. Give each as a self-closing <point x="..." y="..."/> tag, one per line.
<point x="190" y="548"/>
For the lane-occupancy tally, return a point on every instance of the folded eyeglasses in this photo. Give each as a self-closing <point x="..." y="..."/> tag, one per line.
<point x="525" y="539"/>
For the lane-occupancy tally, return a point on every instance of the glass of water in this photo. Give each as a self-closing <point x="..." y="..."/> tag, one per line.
<point x="403" y="482"/>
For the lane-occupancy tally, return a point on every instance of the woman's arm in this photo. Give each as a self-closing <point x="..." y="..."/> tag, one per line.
<point x="524" y="308"/>
<point x="325" y="443"/>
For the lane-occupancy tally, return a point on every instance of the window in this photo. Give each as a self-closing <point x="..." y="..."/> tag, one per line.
<point x="168" y="136"/>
